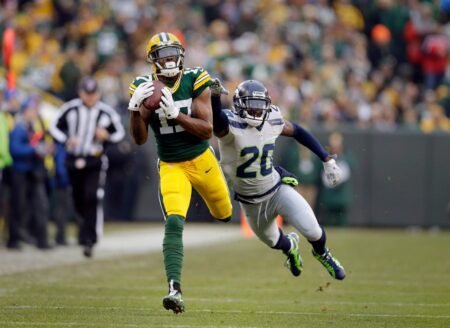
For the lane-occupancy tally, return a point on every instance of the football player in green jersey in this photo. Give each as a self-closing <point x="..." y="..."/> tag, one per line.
<point x="182" y="126"/>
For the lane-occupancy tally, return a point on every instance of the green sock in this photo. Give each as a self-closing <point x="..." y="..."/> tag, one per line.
<point x="173" y="247"/>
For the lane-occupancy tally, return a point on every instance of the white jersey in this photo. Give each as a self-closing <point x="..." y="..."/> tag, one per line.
<point x="247" y="156"/>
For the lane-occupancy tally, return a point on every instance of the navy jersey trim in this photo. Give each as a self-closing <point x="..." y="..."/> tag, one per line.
<point x="276" y="121"/>
<point x="238" y="125"/>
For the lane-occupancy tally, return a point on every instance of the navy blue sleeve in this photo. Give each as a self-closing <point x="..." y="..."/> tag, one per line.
<point x="220" y="119"/>
<point x="309" y="141"/>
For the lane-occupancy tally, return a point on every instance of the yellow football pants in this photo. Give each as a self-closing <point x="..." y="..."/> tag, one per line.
<point x="204" y="174"/>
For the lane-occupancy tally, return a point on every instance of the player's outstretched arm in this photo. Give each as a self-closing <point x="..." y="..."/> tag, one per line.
<point x="332" y="171"/>
<point x="295" y="131"/>
<point x="220" y="119"/>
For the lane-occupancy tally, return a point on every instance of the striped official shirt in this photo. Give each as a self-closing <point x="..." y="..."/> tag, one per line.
<point x="76" y="120"/>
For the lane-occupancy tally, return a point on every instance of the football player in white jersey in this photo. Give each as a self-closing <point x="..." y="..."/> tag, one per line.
<point x="247" y="135"/>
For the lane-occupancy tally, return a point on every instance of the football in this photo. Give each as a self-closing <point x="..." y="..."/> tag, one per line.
<point x="152" y="103"/>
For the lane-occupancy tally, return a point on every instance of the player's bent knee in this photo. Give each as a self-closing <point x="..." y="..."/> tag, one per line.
<point x="174" y="224"/>
<point x="228" y="219"/>
<point x="268" y="241"/>
<point x="313" y="234"/>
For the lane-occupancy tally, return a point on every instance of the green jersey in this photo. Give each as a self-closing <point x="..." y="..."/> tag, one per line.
<point x="174" y="143"/>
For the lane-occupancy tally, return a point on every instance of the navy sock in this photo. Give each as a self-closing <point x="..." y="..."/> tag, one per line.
<point x="283" y="243"/>
<point x="319" y="245"/>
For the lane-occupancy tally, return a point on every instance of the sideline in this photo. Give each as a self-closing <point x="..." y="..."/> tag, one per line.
<point x="134" y="241"/>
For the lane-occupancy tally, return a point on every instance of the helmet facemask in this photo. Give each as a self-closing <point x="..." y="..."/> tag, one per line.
<point x="253" y="109"/>
<point x="167" y="60"/>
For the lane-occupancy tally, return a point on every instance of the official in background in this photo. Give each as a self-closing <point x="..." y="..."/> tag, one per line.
<point x="85" y="126"/>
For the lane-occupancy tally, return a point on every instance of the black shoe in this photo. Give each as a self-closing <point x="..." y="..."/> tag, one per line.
<point x="173" y="301"/>
<point x="88" y="251"/>
<point x="27" y="238"/>
<point x="14" y="246"/>
<point x="44" y="246"/>
<point x="61" y="242"/>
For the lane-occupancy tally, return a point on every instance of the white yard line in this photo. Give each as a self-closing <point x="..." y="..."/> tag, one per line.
<point x="134" y="242"/>
<point x="333" y="314"/>
<point x="247" y="301"/>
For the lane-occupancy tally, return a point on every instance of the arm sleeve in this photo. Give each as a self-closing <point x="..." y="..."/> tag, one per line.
<point x="220" y="119"/>
<point x="309" y="141"/>
<point x="59" y="129"/>
<point x="116" y="130"/>
<point x="201" y="81"/>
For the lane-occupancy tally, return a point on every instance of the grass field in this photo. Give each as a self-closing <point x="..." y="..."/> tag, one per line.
<point x="396" y="278"/>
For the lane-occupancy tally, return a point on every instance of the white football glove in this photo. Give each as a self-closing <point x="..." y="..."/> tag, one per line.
<point x="332" y="172"/>
<point x="168" y="106"/>
<point x="217" y="88"/>
<point x="142" y="91"/>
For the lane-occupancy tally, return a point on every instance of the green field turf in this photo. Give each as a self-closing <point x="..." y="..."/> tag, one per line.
<point x="396" y="278"/>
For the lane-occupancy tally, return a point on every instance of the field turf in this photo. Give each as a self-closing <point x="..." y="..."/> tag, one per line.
<point x="396" y="278"/>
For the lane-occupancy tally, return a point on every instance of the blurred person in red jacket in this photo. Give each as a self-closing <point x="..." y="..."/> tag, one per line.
<point x="434" y="58"/>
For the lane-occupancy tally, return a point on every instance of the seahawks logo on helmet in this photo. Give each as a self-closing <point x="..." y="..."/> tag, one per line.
<point x="166" y="54"/>
<point x="252" y="102"/>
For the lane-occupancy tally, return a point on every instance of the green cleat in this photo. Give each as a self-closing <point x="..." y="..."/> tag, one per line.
<point x="174" y="302"/>
<point x="294" y="260"/>
<point x="334" y="268"/>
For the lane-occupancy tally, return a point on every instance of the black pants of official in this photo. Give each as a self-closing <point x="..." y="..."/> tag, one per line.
<point x="87" y="187"/>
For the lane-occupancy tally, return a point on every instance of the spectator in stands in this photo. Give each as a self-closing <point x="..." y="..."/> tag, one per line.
<point x="434" y="58"/>
<point x="350" y="36"/>
<point x="70" y="74"/>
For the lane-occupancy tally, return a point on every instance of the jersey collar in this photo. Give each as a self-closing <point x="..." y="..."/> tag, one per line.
<point x="177" y="83"/>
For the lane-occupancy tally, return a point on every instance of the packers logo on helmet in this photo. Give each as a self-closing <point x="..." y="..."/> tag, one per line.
<point x="166" y="54"/>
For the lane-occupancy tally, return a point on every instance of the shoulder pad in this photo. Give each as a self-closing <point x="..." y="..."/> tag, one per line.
<point x="234" y="119"/>
<point x="229" y="113"/>
<point x="274" y="108"/>
<point x="200" y="77"/>
<point x="275" y="116"/>
<point x="193" y="70"/>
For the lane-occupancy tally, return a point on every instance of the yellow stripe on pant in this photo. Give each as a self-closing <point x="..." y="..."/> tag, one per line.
<point x="204" y="174"/>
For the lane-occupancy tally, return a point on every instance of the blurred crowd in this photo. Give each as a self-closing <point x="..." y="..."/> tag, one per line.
<point x="368" y="64"/>
<point x="380" y="63"/>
